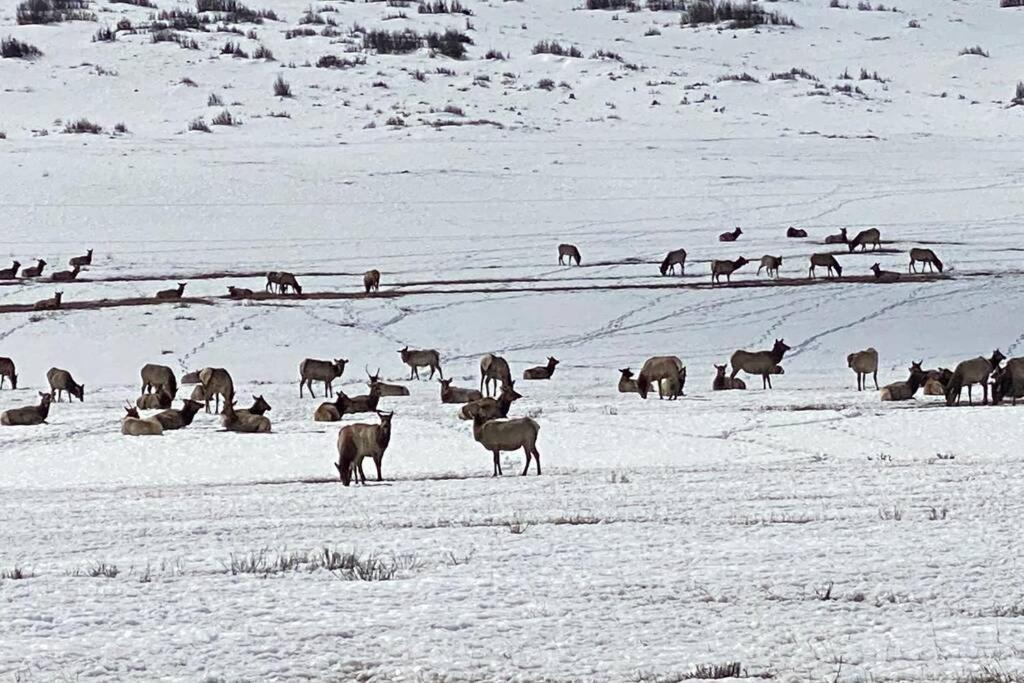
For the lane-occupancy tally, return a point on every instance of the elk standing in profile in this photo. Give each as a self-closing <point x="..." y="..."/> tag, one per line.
<point x="825" y="261"/>
<point x="51" y="304"/>
<point x="726" y="268"/>
<point x="884" y="275"/>
<point x="133" y="425"/>
<point x="29" y="415"/>
<point x="864" y="363"/>
<point x="424" y="358"/>
<point x="674" y="258"/>
<point x="384" y="388"/>
<point x="494" y="371"/>
<point x="282" y="281"/>
<point x="770" y="264"/>
<point x="796" y="232"/>
<point x="1008" y="381"/>
<point x="568" y="251"/>
<point x="85" y="260"/>
<point x="627" y="385"/>
<point x="865" y="237"/>
<point x="542" y="371"/>
<point x="491" y="408"/>
<point x="10" y="273"/>
<point x="61" y="381"/>
<point x="246" y="423"/>
<point x="7" y="371"/>
<point x="508" y="435"/>
<point x="239" y="292"/>
<point x="358" y="441"/>
<point x="904" y="391"/>
<point x="34" y="271"/>
<point x="325" y="371"/>
<point x="172" y="419"/>
<point x="450" y="394"/>
<point x="925" y="256"/>
<point x="158" y="378"/>
<point x="969" y="372"/>
<point x="656" y="369"/>
<point x="730" y="236"/>
<point x="216" y="383"/>
<point x="723" y="383"/>
<point x="172" y="294"/>
<point x="66" y="275"/>
<point x="371" y="281"/>
<point x="841" y="238"/>
<point x="759" y="362"/>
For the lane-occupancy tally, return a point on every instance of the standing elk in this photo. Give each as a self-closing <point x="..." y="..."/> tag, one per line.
<point x="7" y="371"/>
<point x="542" y="371"/>
<point x="508" y="435"/>
<point x="371" y="281"/>
<point x="904" y="391"/>
<point x="970" y="372"/>
<point x="245" y="423"/>
<point x="825" y="261"/>
<point x="157" y="401"/>
<point x="358" y="441"/>
<point x="723" y="383"/>
<point x="34" y="271"/>
<point x="1008" y="381"/>
<point x="884" y="275"/>
<point x="239" y="292"/>
<point x="659" y="368"/>
<point x="491" y="408"/>
<point x="172" y="294"/>
<point x="61" y="381"/>
<point x="770" y="264"/>
<point x="570" y="252"/>
<point x="450" y="394"/>
<point x="66" y="275"/>
<point x="494" y="370"/>
<point x="29" y="415"/>
<point x="282" y="281"/>
<point x="761" y="363"/>
<point x="133" y="425"/>
<point x="424" y="358"/>
<point x="841" y="238"/>
<point x="726" y="268"/>
<point x="627" y="385"/>
<point x="216" y="383"/>
<point x="865" y="237"/>
<point x="864" y="363"/>
<point x="325" y="371"/>
<point x="51" y="304"/>
<point x="384" y="388"/>
<point x="731" y="236"/>
<point x="925" y="256"/>
<point x="172" y="419"/>
<point x="85" y="260"/>
<point x="796" y="232"/>
<point x="674" y="258"/>
<point x="10" y="273"/>
<point x="156" y="378"/>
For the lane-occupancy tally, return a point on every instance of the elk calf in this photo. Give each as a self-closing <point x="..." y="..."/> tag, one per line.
<point x="7" y="371"/>
<point x="568" y="251"/>
<point x="371" y="281"/>
<point x="723" y="383"/>
<point x="673" y="259"/>
<point x="51" y="304"/>
<point x="61" y="381"/>
<point x="29" y="415"/>
<point x="450" y="394"/>
<point x="864" y="363"/>
<point x="542" y="371"/>
<point x="770" y="264"/>
<point x="421" y="359"/>
<point x="157" y="401"/>
<point x="358" y="441"/>
<point x="133" y="425"/>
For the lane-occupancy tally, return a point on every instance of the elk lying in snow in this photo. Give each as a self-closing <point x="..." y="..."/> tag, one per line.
<point x="10" y="273"/>
<point x="770" y="264"/>
<point x="245" y="423"/>
<point x="841" y="238"/>
<point x="494" y="371"/>
<point x="926" y="256"/>
<point x="348" y="405"/>
<point x="34" y="271"/>
<point x="156" y="401"/>
<point x="825" y="261"/>
<point x="358" y="441"/>
<point x="85" y="260"/>
<point x="216" y="383"/>
<point x="627" y="385"/>
<point x="239" y="292"/>
<point x="796" y="232"/>
<point x="259" y="407"/>
<point x="508" y="435"/>
<point x="282" y="281"/>
<point x="172" y="294"/>
<point x="542" y="371"/>
<point x="325" y="371"/>
<point x="759" y="362"/>
<point x="30" y="415"/>
<point x="51" y="304"/>
<point x="659" y="368"/>
<point x="61" y="381"/>
<point x="383" y="388"/>
<point x="421" y="359"/>
<point x="864" y="363"/>
<point x="450" y="394"/>
<point x="674" y="258"/>
<point x="156" y="378"/>
<point x="730" y="236"/>
<point x="969" y="372"/>
<point x="936" y="381"/>
<point x="66" y="275"/>
<point x="177" y="419"/>
<point x="1008" y="381"/>
<point x="371" y="281"/>
<point x="904" y="391"/>
<point x="723" y="383"/>
<point x="491" y="408"/>
<point x="568" y="251"/>
<point x="865" y="237"/>
<point x="884" y="275"/>
<point x="133" y="425"/>
<point x="726" y="268"/>
<point x="7" y="371"/>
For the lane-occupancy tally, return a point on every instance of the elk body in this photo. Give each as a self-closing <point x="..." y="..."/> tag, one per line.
<point x="216" y="383"/>
<point x="865" y="237"/>
<point x="970" y="372"/>
<point x="864" y="363"/>
<point x="827" y="261"/>
<point x="371" y="281"/>
<point x="674" y="258"/>
<point x="191" y="377"/>
<point x="172" y="294"/>
<point x="384" y="388"/>
<point x="85" y="260"/>
<point x="761" y="363"/>
<point x="358" y="441"/>
<point x="542" y="371"/>
<point x="925" y="256"/>
<point x="34" y="271"/>
<point x="10" y="273"/>
<point x="731" y="236"/>
<point x="282" y="281"/>
<point x="796" y="232"/>
<point x="245" y="423"/>
<point x="491" y="408"/>
<point x="904" y="391"/>
<point x="424" y="358"/>
<point x="51" y="304"/>
<point x="133" y="425"/>
<point x="8" y="371"/>
<point x="1008" y="381"/>
<point x="325" y="371"/>
<point x="508" y="435"/>
<point x="770" y="264"/>
<point x="568" y="251"/>
<point x="348" y="405"/>
<point x="66" y="275"/>
<point x="627" y="385"/>
<point x="259" y="407"/>
<point x="936" y="381"/>
<point x="659" y="368"/>
<point x="29" y="415"/>
<point x="61" y="381"/>
<point x="450" y="394"/>
<point x="494" y="371"/>
<point x="840" y="238"/>
<point x="723" y="383"/>
<point x="177" y="419"/>
<point x="157" y="378"/>
<point x="157" y="401"/>
<point x="672" y="387"/>
<point x="240" y="292"/>
<point x="884" y="275"/>
<point x="726" y="268"/>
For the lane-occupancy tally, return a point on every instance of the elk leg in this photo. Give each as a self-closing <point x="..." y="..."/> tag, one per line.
<point x="377" y="461"/>
<point x="497" y="465"/>
<point x="536" y="457"/>
<point x="970" y="399"/>
<point x="769" y="378"/>
<point x="876" y="380"/>
<point x="526" y="452"/>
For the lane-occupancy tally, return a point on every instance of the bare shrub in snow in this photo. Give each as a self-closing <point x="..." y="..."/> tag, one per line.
<point x="451" y="43"/>
<point x="333" y="62"/>
<point x="104" y="35"/>
<point x="627" y="5"/>
<point x="214" y="100"/>
<point x="264" y="53"/>
<point x="225" y="119"/>
<point x="83" y="126"/>
<point x="736" y="15"/>
<point x="392" y="42"/>
<point x="977" y="51"/>
<point x="11" y="48"/>
<point x="281" y="88"/>
<point x="53" y="11"/>
<point x="120" y="129"/>
<point x="15" y="573"/>
<point x="443" y="7"/>
<point x="550" y="47"/>
<point x="396" y="121"/>
<point x="199" y="125"/>
<point x="743" y="78"/>
<point x="494" y="54"/>
<point x="791" y="75"/>
<point x="546" y="84"/>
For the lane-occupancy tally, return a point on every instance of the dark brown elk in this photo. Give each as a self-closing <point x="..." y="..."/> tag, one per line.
<point x="627" y="385"/>
<point x="865" y="237"/>
<point x="723" y="383"/>
<point x="730" y="236"/>
<point x="864" y="363"/>
<point x="367" y="403"/>
<point x="245" y="423"/>
<point x="51" y="304"/>
<point x="157" y="378"/>
<point x="358" y="441"/>
<point x="384" y="388"/>
<point x="133" y="425"/>
<point x="499" y="435"/>
<point x="172" y="294"/>
<point x="66" y="275"/>
<point x="325" y="371"/>
<point x="841" y="238"/>
<point x="424" y="358"/>
<point x="1008" y="381"/>
<point x="85" y="260"/>
<point x="655" y="369"/>
<point x="29" y="415"/>
<point x="674" y="258"/>
<point x="61" y="381"/>
<point x="450" y="394"/>
<point x="259" y="407"/>
<point x="568" y="251"/>
<point x="796" y="232"/>
<point x="904" y="391"/>
<point x="970" y="372"/>
<point x="282" y="281"/>
<point x="7" y="371"/>
<point x="178" y="419"/>
<point x="542" y="371"/>
<point x="491" y="408"/>
<point x="726" y="268"/>
<point x="494" y="371"/>
<point x="34" y="271"/>
<point x="371" y="281"/>
<point x="770" y="264"/>
<point x="884" y="275"/>
<point x="216" y="383"/>
<point x="10" y="273"/>
<point x="759" y="362"/>
<point x="239" y="292"/>
<point x="926" y="256"/>
<point x="825" y="261"/>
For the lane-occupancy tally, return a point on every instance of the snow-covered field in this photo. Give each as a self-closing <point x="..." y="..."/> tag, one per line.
<point x="810" y="532"/>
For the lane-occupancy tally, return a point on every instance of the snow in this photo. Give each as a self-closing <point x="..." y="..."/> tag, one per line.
<point x="809" y="532"/>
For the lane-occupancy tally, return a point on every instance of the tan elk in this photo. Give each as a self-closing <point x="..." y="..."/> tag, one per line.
<point x="936" y="381"/>
<point x="508" y="435"/>
<point x="840" y="238"/>
<point x="770" y="264"/>
<point x="282" y="281"/>
<point x="904" y="391"/>
<point x="243" y="423"/>
<point x="10" y="273"/>
<point x="325" y="371"/>
<point x="723" y="383"/>
<point x="216" y="383"/>
<point x="726" y="268"/>
<point x="61" y="381"/>
<point x="331" y="411"/>
<point x="371" y="281"/>
<point x="66" y="275"/>
<point x="865" y="237"/>
<point x="384" y="388"/>
<point x="491" y="408"/>
<point x="85" y="260"/>
<point x="570" y="252"/>
<point x="1008" y="381"/>
<point x="423" y="358"/>
<point x="8" y="371"/>
<point x="29" y="415"/>
<point x="358" y="441"/>
<point x="925" y="256"/>
<point x="627" y="385"/>
<point x="172" y="294"/>
<point x="133" y="425"/>
<point x="542" y="371"/>
<point x="970" y="372"/>
<point x="34" y="271"/>
<point x="191" y="377"/>
<point x="827" y="261"/>
<point x="672" y="387"/>
<point x="494" y="371"/>
<point x="156" y="378"/>
<point x="157" y="401"/>
<point x="656" y="369"/>
<point x="240" y="292"/>
<point x="51" y="304"/>
<point x="450" y="394"/>
<point x="731" y="236"/>
<point x="884" y="275"/>
<point x="674" y="258"/>
<point x="864" y="363"/>
<point x="172" y="419"/>
<point x="761" y="363"/>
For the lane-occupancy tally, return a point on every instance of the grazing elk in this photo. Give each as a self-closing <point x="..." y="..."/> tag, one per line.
<point x="29" y="415"/>
<point x="51" y="304"/>
<point x="156" y="378"/>
<point x="61" y="381"/>
<point x="825" y="261"/>
<point x="759" y="362"/>
<point x="730" y="236"/>
<point x="178" y="419"/>
<point x="904" y="391"/>
<point x="1008" y="381"/>
<point x="726" y="268"/>
<point x="424" y="358"/>
<point x="133" y="425"/>
<point x="157" y="401"/>
<point x="723" y="383"/>
<point x="259" y="407"/>
<point x="884" y="275"/>
<point x="450" y="394"/>
<point x="371" y="281"/>
<point x="325" y="371"/>
<point x="568" y="251"/>
<point x="7" y="371"/>
<point x="508" y="435"/>
<point x="542" y="371"/>
<point x="245" y="423"/>
<point x="925" y="256"/>
<point x="358" y="441"/>
<point x="491" y="408"/>
<point x="841" y="238"/>
<point x="970" y="372"/>
<point x="239" y="292"/>
<point x="282" y="281"/>
<point x="674" y="258"/>
<point x="864" y="363"/>
<point x="66" y="275"/>
<point x="627" y="385"/>
<point x="34" y="271"/>
<point x="85" y="260"/>
<point x="659" y="368"/>
<point x="865" y="237"/>
<point x="10" y="273"/>
<point x="493" y="370"/>
<point x="796" y="232"/>
<point x="216" y="382"/>
<point x="172" y="294"/>
<point x="770" y="264"/>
